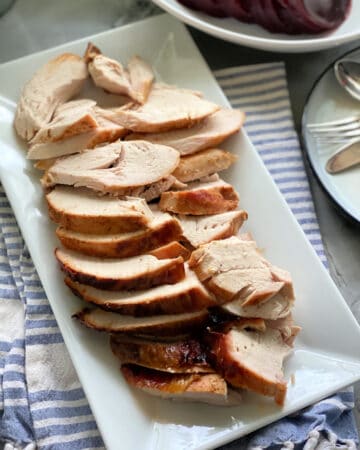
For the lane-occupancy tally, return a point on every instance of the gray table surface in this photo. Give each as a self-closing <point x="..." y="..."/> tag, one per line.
<point x="33" y="25"/>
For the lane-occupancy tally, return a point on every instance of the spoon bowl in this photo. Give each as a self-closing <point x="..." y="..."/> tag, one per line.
<point x="347" y="72"/>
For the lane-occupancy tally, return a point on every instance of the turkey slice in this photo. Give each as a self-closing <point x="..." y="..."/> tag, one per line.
<point x="200" y="198"/>
<point x="203" y="164"/>
<point x="53" y="84"/>
<point x="180" y="356"/>
<point x="162" y="230"/>
<point x="115" y="167"/>
<point x="206" y="388"/>
<point x="166" y="108"/>
<point x="82" y="210"/>
<point x="70" y="119"/>
<point x="137" y="272"/>
<point x="163" y="325"/>
<point x="208" y="133"/>
<point x="233" y="269"/>
<point x="251" y="360"/>
<point x="199" y="230"/>
<point x="187" y="295"/>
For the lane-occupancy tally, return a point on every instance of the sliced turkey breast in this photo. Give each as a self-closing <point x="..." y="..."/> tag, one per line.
<point x="115" y="168"/>
<point x="141" y="78"/>
<point x="171" y="250"/>
<point x="200" y="198"/>
<point x="53" y="84"/>
<point x="83" y="211"/>
<point x="138" y="272"/>
<point x="234" y="269"/>
<point x="163" y="325"/>
<point x="208" y="133"/>
<point x="161" y="230"/>
<point x="185" y="356"/>
<point x="203" y="164"/>
<point x="187" y="295"/>
<point x="199" y="230"/>
<point x="251" y="360"/>
<point x="44" y="164"/>
<point x="151" y="191"/>
<point x="76" y="144"/>
<point x="70" y="119"/>
<point x="134" y="82"/>
<point x="166" y="108"/>
<point x="90" y="52"/>
<point x="274" y="308"/>
<point x="110" y="75"/>
<point x="206" y="388"/>
<point x="287" y="328"/>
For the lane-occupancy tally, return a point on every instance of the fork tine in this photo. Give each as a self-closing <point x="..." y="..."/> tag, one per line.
<point x="335" y="140"/>
<point x="337" y="129"/>
<point x="334" y="123"/>
<point x="335" y="134"/>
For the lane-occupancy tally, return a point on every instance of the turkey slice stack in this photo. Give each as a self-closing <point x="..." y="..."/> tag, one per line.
<point x="235" y="271"/>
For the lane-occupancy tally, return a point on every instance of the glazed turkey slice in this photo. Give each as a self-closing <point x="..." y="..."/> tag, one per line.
<point x="203" y="164"/>
<point x="160" y="231"/>
<point x="138" y="272"/>
<point x="200" y="198"/>
<point x="166" y="108"/>
<point x="70" y="119"/>
<point x="114" y="168"/>
<point x="206" y="388"/>
<point x="187" y="295"/>
<point x="164" y="325"/>
<point x="233" y="269"/>
<point x="251" y="360"/>
<point x="81" y="210"/>
<point x="199" y="230"/>
<point x="185" y="356"/>
<point x="208" y="133"/>
<point x="53" y="84"/>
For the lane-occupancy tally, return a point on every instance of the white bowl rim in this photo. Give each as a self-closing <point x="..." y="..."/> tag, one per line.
<point x="263" y="43"/>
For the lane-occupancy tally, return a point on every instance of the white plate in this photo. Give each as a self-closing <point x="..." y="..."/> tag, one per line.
<point x="328" y="101"/>
<point x="257" y="37"/>
<point x="323" y="361"/>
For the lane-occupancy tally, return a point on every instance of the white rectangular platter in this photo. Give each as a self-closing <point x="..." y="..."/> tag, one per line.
<point x="326" y="356"/>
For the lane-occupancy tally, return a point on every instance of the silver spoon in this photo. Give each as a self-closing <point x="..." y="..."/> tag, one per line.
<point x="347" y="72"/>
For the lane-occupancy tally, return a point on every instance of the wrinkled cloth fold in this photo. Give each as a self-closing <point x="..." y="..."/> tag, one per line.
<point x="42" y="404"/>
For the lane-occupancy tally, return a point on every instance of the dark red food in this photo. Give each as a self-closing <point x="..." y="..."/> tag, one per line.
<point x="240" y="9"/>
<point x="279" y="16"/>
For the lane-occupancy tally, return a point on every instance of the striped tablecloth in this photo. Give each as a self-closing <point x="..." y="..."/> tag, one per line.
<point x="42" y="404"/>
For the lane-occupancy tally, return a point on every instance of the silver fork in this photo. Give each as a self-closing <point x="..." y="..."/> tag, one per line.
<point x="341" y="138"/>
<point x="336" y="131"/>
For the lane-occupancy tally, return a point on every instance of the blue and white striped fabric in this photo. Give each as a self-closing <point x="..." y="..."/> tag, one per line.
<point x="42" y="404"/>
<point x="261" y="91"/>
